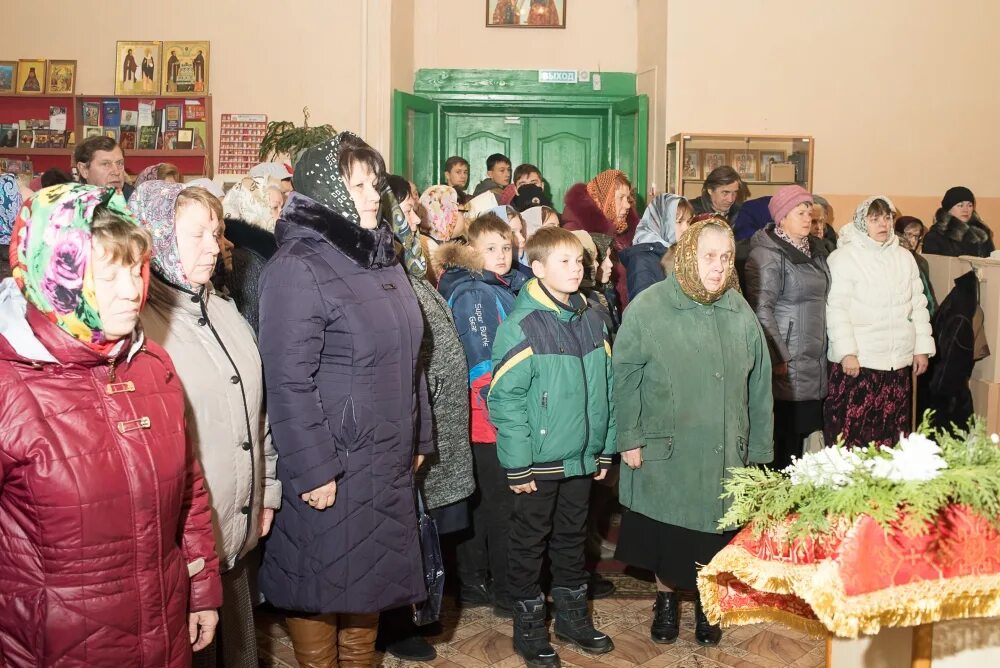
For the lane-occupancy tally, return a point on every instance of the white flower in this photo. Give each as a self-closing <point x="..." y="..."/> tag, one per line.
<point x="833" y="466"/>
<point x="995" y="438"/>
<point x="916" y="458"/>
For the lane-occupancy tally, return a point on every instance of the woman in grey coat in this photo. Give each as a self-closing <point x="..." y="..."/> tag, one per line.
<point x="787" y="280"/>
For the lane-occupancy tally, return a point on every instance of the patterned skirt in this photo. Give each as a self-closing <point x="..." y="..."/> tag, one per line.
<point x="874" y="407"/>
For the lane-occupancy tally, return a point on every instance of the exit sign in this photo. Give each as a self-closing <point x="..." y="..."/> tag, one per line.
<point x="557" y="76"/>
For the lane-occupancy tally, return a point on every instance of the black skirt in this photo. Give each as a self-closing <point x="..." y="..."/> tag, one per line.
<point x="673" y="553"/>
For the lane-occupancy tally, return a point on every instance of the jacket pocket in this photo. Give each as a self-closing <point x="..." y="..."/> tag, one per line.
<point x="788" y="337"/>
<point x="744" y="448"/>
<point x="659" y="446"/>
<point x="543" y="429"/>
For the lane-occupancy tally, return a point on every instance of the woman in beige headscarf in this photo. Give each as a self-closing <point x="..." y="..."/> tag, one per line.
<point x="693" y="399"/>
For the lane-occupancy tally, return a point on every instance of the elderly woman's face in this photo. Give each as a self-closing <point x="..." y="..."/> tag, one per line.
<point x="361" y="186"/>
<point x="198" y="233"/>
<point x="118" y="291"/>
<point x="715" y="252"/>
<point x="818" y="227"/>
<point x="623" y="200"/>
<point x="275" y="200"/>
<point x="412" y="219"/>
<point x="912" y="235"/>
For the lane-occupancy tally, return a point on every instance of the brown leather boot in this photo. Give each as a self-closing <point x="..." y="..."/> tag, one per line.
<point x="356" y="640"/>
<point x="314" y="640"/>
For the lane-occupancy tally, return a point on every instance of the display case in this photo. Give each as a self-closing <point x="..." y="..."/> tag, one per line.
<point x="765" y="162"/>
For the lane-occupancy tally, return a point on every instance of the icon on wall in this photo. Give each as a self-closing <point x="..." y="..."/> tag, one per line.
<point x="525" y="13"/>
<point x="185" y="68"/>
<point x="30" y="77"/>
<point x="137" y="68"/>
<point x="61" y="77"/>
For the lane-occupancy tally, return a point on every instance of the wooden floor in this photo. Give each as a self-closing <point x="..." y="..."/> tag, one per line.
<point x="475" y="638"/>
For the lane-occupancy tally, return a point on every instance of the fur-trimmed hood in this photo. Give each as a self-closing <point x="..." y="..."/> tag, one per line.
<point x="458" y="255"/>
<point x="248" y="236"/>
<point x="305" y="218"/>
<point x="975" y="231"/>
<point x="581" y="213"/>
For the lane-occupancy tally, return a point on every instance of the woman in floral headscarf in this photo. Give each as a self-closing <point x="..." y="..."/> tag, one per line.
<point x="10" y="206"/>
<point x="445" y="219"/>
<point x="604" y="206"/>
<point x="878" y="328"/>
<point x="106" y="539"/>
<point x="218" y="363"/>
<point x="693" y="399"/>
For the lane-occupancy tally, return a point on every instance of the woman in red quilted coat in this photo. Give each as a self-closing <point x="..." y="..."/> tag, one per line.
<point x="106" y="550"/>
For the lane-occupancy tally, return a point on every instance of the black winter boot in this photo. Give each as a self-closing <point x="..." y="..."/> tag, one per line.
<point x="573" y="621"/>
<point x="666" y="622"/>
<point x="531" y="638"/>
<point x="705" y="633"/>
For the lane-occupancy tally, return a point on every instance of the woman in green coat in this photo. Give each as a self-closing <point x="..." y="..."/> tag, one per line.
<point x="692" y="380"/>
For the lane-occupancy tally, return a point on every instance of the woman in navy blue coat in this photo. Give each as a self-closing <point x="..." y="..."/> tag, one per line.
<point x="340" y="332"/>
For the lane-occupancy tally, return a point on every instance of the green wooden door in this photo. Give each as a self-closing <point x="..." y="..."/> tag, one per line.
<point x="475" y="136"/>
<point x="629" y="128"/>
<point x="568" y="149"/>
<point x="415" y="132"/>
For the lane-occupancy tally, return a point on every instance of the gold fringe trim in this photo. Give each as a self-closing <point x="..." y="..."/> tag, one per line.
<point x="821" y="587"/>
<point x="813" y="627"/>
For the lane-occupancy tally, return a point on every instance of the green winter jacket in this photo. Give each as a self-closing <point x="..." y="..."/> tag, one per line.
<point x="550" y="398"/>
<point x="693" y="390"/>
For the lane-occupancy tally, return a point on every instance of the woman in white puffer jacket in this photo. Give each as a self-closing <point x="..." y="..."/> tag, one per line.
<point x="878" y="327"/>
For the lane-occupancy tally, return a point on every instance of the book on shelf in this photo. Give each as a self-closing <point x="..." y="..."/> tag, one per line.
<point x="114" y="133"/>
<point x="130" y="119"/>
<point x="57" y="118"/>
<point x="92" y="131"/>
<point x="148" y="135"/>
<point x="8" y="135"/>
<point x="26" y="139"/>
<point x="169" y="142"/>
<point x="41" y="139"/>
<point x="199" y="133"/>
<point x="128" y="138"/>
<point x="57" y="139"/>
<point x="91" y="113"/>
<point x="146" y="109"/>
<point x="185" y="139"/>
<point x="111" y="113"/>
<point x="194" y="110"/>
<point x="173" y="117"/>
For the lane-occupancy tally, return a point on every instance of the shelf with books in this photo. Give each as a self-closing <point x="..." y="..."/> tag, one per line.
<point x="31" y="153"/>
<point x="37" y="128"/>
<point x="147" y="128"/>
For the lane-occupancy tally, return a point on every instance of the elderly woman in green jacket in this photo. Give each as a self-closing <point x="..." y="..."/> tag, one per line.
<point x="692" y="380"/>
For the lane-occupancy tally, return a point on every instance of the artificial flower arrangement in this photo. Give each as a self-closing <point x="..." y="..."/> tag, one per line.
<point x="911" y="483"/>
<point x="850" y="541"/>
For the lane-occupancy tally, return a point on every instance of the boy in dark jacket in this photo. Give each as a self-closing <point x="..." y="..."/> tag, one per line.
<point x="497" y="175"/>
<point x="480" y="285"/>
<point x="550" y="400"/>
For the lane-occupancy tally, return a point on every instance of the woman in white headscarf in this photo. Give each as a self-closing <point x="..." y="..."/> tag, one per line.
<point x="665" y="219"/>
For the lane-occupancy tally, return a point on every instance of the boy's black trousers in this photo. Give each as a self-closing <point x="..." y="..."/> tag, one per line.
<point x="484" y="550"/>
<point x="554" y="516"/>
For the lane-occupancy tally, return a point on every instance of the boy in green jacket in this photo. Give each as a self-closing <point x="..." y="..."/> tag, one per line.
<point x="550" y="401"/>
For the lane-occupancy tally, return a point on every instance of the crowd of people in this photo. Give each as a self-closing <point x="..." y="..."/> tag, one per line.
<point x="211" y="399"/>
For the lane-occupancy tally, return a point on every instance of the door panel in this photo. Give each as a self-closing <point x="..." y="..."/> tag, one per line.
<point x="629" y="121"/>
<point x="568" y="149"/>
<point x="415" y="127"/>
<point x="475" y="137"/>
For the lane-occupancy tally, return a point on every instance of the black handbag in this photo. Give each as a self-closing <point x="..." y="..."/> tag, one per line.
<point x="428" y="611"/>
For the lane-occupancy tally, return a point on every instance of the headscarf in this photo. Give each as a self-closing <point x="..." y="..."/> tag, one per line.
<point x="148" y="174"/>
<point x="480" y="204"/>
<point x="590" y="257"/>
<point x="441" y="203"/>
<point x="659" y="222"/>
<point x="686" y="263"/>
<point x="602" y="190"/>
<point x="861" y="213"/>
<point x="413" y="253"/>
<point x="247" y="201"/>
<point x="10" y="205"/>
<point x="155" y="205"/>
<point x="51" y="252"/>
<point x="317" y="176"/>
<point x="209" y="185"/>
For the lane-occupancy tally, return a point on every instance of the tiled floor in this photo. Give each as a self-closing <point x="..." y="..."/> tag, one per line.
<point x="475" y="638"/>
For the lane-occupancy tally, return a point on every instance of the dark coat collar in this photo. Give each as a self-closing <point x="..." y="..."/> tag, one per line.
<point x="250" y="237"/>
<point x="303" y="217"/>
<point x="975" y="231"/>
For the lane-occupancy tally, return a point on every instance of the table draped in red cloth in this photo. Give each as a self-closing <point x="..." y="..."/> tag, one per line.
<point x="858" y="577"/>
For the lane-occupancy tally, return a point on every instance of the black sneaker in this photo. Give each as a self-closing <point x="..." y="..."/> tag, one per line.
<point x="600" y="587"/>
<point x="704" y="632"/>
<point x="413" y="648"/>
<point x="531" y="638"/>
<point x="573" y="622"/>
<point x="666" y="621"/>
<point x="473" y="595"/>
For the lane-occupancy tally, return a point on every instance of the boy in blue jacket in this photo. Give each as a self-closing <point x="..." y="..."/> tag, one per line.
<point x="550" y="400"/>
<point x="480" y="285"/>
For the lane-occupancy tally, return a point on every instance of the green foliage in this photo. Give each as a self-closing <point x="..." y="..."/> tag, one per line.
<point x="766" y="498"/>
<point x="284" y="137"/>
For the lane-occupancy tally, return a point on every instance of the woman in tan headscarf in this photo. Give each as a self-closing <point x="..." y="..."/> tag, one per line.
<point x="604" y="205"/>
<point x="693" y="399"/>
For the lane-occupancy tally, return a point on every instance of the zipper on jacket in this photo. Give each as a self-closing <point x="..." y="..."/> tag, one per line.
<point x="545" y="414"/>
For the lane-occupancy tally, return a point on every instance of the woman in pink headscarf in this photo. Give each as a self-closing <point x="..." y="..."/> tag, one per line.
<point x="443" y="215"/>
